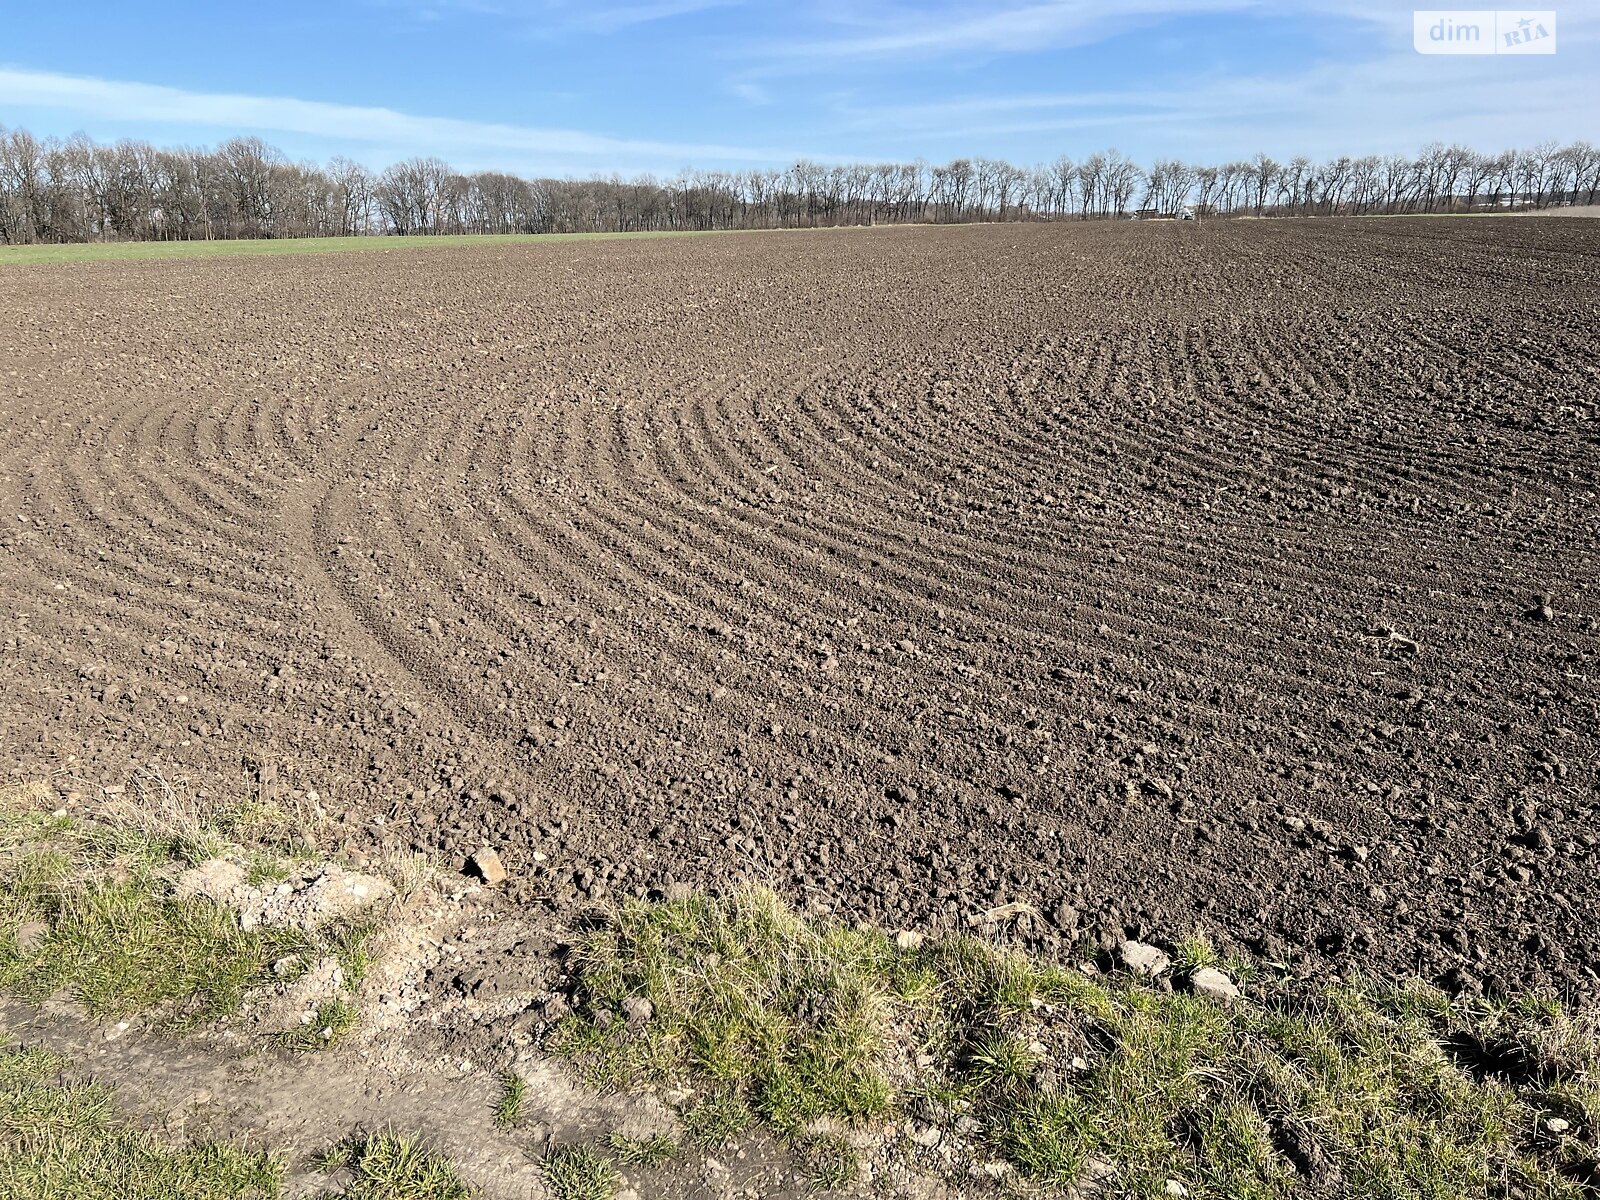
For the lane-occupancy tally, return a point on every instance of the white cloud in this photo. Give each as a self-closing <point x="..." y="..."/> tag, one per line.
<point x="607" y="18"/>
<point x="116" y="100"/>
<point x="987" y="28"/>
<point x="1391" y="102"/>
<point x="560" y="16"/>
<point x="750" y="93"/>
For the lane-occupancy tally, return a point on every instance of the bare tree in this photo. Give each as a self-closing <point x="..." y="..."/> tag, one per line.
<point x="1262" y="173"/>
<point x="1122" y="180"/>
<point x="80" y="190"/>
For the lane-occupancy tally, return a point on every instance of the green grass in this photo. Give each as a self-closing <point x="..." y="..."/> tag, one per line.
<point x="578" y="1173"/>
<point x="513" y="1094"/>
<point x="87" y="909"/>
<point x="745" y="994"/>
<point x="389" y="1166"/>
<point x="715" y="1119"/>
<point x="113" y="938"/>
<point x="334" y="1018"/>
<point x="125" y="251"/>
<point x="60" y="1140"/>
<point x="811" y="1026"/>
<point x="119" y="947"/>
<point x="652" y="1151"/>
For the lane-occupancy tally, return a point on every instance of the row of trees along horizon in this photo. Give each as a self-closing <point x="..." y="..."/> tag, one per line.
<point x="79" y="190"/>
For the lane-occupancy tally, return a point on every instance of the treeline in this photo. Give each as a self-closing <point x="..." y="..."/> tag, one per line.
<point x="78" y="190"/>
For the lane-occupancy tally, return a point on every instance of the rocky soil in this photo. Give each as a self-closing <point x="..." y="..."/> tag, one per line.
<point x="1116" y="579"/>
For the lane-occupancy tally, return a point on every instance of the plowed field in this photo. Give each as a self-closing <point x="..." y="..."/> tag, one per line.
<point x="1237" y="576"/>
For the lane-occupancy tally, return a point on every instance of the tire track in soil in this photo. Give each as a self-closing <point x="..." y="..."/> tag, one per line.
<point x="312" y="522"/>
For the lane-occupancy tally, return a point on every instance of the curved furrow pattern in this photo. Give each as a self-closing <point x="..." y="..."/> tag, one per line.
<point x="957" y="582"/>
<point x="1236" y="575"/>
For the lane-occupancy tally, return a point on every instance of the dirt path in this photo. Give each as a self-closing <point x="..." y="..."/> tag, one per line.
<point x="1160" y="577"/>
<point x="300" y="1107"/>
<point x="192" y="1090"/>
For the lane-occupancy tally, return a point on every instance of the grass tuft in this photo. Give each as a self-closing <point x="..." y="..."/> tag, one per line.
<point x="652" y="1151"/>
<point x="513" y="1094"/>
<point x="716" y="1119"/>
<point x="1194" y="952"/>
<point x="389" y="1166"/>
<point x="578" y="1173"/>
<point x="334" y="1018"/>
<point x="829" y="1161"/>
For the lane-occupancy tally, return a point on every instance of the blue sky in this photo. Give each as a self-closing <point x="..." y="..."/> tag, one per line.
<point x="561" y="87"/>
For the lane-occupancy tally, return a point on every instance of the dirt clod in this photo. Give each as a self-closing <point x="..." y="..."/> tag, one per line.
<point x="486" y="865"/>
<point x="307" y="897"/>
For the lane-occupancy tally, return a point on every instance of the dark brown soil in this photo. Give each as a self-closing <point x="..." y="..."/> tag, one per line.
<point x="1159" y="577"/>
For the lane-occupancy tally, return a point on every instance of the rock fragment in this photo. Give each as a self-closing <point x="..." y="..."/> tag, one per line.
<point x="1213" y="985"/>
<point x="1142" y="958"/>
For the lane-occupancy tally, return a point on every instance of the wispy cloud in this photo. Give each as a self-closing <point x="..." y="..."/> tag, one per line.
<point x="1346" y="85"/>
<point x="1385" y="103"/>
<point x="967" y="28"/>
<point x="608" y="18"/>
<point x="117" y="100"/>
<point x="561" y="16"/>
<point x="749" y="92"/>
